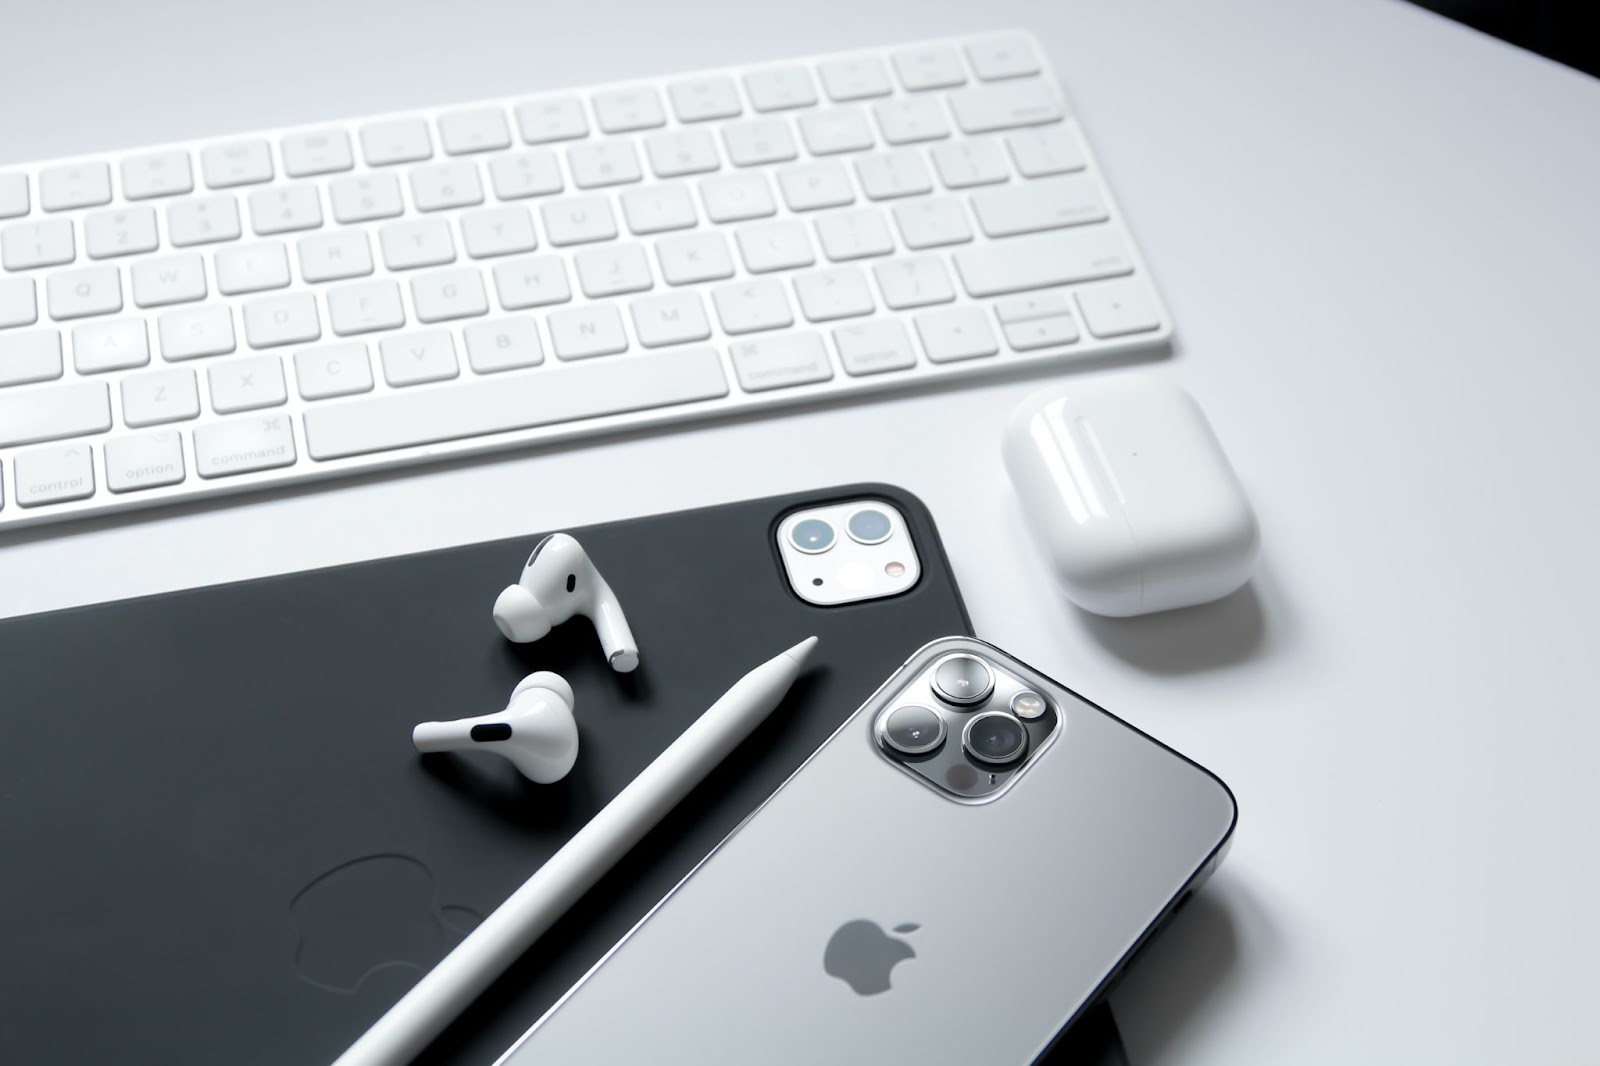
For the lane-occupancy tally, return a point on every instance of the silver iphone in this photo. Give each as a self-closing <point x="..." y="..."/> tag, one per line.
<point x="952" y="878"/>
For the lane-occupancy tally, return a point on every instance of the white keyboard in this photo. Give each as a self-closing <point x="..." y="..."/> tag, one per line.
<point x="199" y="318"/>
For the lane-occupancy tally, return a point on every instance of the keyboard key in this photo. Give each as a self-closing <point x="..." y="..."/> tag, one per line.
<point x="531" y="281"/>
<point x="552" y="119"/>
<point x="278" y="320"/>
<point x="1000" y="107"/>
<point x="478" y="129"/>
<point x="246" y="384"/>
<point x="911" y="121"/>
<point x="658" y="208"/>
<point x="1040" y="333"/>
<point x="737" y="197"/>
<point x="334" y="256"/>
<point x="603" y="163"/>
<point x="195" y="332"/>
<point x="622" y="110"/>
<point x="749" y="306"/>
<point x="236" y="163"/>
<point x="674" y="318"/>
<point x="1002" y="55"/>
<point x="252" y="267"/>
<point x="13" y="195"/>
<point x="874" y="347"/>
<point x="124" y="232"/>
<point x="171" y="279"/>
<point x="970" y="163"/>
<point x="316" y="152"/>
<point x="681" y="152"/>
<point x="202" y="220"/>
<point x="854" y="235"/>
<point x="498" y="231"/>
<point x="332" y="370"/>
<point x="758" y="141"/>
<point x="1118" y="308"/>
<point x="72" y="410"/>
<point x="699" y="99"/>
<point x="582" y="332"/>
<point x="418" y="358"/>
<point x="534" y="172"/>
<point x="780" y="362"/>
<point x="241" y="445"/>
<point x="1042" y="260"/>
<point x="518" y="401"/>
<point x="936" y="66"/>
<point x="156" y="174"/>
<point x="144" y="461"/>
<point x="932" y="223"/>
<point x="1046" y="304"/>
<point x="956" y="333"/>
<point x="815" y="185"/>
<point x="835" y="130"/>
<point x="441" y="295"/>
<point x="1053" y="150"/>
<point x="62" y="188"/>
<point x="17" y="304"/>
<point x="779" y="88"/>
<point x="915" y="282"/>
<point x="578" y="220"/>
<point x="285" y="209"/>
<point x="444" y="185"/>
<point x="29" y="356"/>
<point x="395" y="140"/>
<point x="854" y="78"/>
<point x="692" y="257"/>
<point x="364" y="307"/>
<point x="775" y="246"/>
<point x="612" y="270"/>
<point x="54" y="475"/>
<point x="503" y="344"/>
<point x="364" y="198"/>
<point x="425" y="242"/>
<point x="829" y="294"/>
<point x="25" y="245"/>
<point x="1050" y="203"/>
<point x="109" y="344"/>
<point x="80" y="293"/>
<point x="893" y="174"/>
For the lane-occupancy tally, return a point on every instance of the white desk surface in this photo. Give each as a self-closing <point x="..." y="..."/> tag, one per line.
<point x="1379" y="234"/>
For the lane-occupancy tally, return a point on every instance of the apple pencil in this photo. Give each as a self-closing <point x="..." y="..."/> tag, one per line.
<point x="445" y="990"/>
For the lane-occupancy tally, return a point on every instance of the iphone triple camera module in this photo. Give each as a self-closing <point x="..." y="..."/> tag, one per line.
<point x="966" y="725"/>
<point x="847" y="552"/>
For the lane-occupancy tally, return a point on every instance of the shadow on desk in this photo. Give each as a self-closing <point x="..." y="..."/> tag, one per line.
<point x="1182" y="969"/>
<point x="1185" y="641"/>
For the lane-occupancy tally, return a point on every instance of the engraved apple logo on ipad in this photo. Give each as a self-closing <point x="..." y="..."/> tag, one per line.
<point x="862" y="955"/>
<point x="371" y="914"/>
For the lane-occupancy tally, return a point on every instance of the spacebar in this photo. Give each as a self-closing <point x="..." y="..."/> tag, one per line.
<point x="514" y="401"/>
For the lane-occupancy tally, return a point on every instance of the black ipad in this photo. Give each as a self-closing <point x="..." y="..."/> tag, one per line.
<point x="217" y="844"/>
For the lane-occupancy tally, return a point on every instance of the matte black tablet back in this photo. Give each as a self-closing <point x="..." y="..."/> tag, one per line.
<point x="218" y="846"/>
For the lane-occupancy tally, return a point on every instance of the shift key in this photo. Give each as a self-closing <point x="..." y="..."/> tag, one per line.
<point x="240" y="445"/>
<point x="1040" y="260"/>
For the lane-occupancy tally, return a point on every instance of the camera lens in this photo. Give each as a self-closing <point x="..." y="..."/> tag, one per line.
<point x="963" y="679"/>
<point x="995" y="737"/>
<point x="812" y="536"/>
<point x="912" y="730"/>
<point x="869" y="526"/>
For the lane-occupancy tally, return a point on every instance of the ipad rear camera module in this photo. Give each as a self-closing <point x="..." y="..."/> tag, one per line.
<point x="848" y="551"/>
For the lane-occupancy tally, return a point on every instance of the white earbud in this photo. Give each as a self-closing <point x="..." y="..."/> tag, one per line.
<point x="558" y="582"/>
<point x="536" y="731"/>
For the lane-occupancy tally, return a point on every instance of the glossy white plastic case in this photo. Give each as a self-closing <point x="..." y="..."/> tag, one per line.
<point x="860" y="915"/>
<point x="1128" y="490"/>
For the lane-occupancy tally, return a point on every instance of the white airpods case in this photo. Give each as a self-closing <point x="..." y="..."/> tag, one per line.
<point x="1127" y="488"/>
